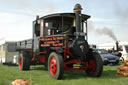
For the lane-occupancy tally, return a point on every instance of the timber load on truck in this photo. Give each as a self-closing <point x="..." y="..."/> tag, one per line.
<point x="59" y="42"/>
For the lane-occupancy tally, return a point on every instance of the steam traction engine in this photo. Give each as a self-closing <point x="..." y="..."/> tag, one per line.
<point x="59" y="43"/>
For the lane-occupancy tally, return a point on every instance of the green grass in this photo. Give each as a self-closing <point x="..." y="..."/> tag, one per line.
<point x="40" y="76"/>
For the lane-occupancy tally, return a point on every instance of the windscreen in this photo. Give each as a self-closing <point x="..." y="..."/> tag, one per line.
<point x="58" y="25"/>
<point x="67" y="23"/>
<point x="101" y="51"/>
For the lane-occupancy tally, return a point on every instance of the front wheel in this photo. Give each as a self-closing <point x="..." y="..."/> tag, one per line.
<point x="55" y="65"/>
<point x="95" y="63"/>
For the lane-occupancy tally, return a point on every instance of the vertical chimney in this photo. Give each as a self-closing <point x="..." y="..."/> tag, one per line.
<point x="117" y="46"/>
<point x="77" y="10"/>
<point x="37" y="17"/>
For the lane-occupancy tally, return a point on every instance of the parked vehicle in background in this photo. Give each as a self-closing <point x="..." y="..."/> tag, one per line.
<point x="107" y="58"/>
<point x="16" y="59"/>
<point x="122" y="48"/>
<point x="117" y="53"/>
<point x="7" y="52"/>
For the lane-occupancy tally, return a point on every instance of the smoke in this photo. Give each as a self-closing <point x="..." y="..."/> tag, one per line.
<point x="106" y="31"/>
<point x="102" y="31"/>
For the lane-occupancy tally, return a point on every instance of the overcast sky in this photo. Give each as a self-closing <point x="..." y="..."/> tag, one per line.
<point x="16" y="17"/>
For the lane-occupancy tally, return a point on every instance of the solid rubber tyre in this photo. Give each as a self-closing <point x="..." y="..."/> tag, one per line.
<point x="95" y="65"/>
<point x="24" y="60"/>
<point x="55" y="65"/>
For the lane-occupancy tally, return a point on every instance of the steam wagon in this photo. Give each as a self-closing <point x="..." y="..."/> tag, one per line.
<point x="60" y="43"/>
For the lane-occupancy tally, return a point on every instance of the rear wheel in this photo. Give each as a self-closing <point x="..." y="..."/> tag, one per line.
<point x="24" y="61"/>
<point x="55" y="65"/>
<point x="95" y="63"/>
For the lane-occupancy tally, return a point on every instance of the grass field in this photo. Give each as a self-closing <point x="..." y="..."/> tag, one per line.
<point x="40" y="76"/>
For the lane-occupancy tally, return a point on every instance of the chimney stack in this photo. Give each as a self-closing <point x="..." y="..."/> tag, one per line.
<point x="117" y="46"/>
<point x="77" y="10"/>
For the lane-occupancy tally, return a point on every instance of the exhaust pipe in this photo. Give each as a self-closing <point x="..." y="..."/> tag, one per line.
<point x="77" y="10"/>
<point x="117" y="46"/>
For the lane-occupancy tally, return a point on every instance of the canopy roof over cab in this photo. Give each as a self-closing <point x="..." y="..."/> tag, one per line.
<point x="72" y="15"/>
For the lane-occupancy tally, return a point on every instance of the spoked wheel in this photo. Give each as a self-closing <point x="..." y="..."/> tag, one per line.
<point x="56" y="65"/>
<point x="95" y="63"/>
<point x="24" y="61"/>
